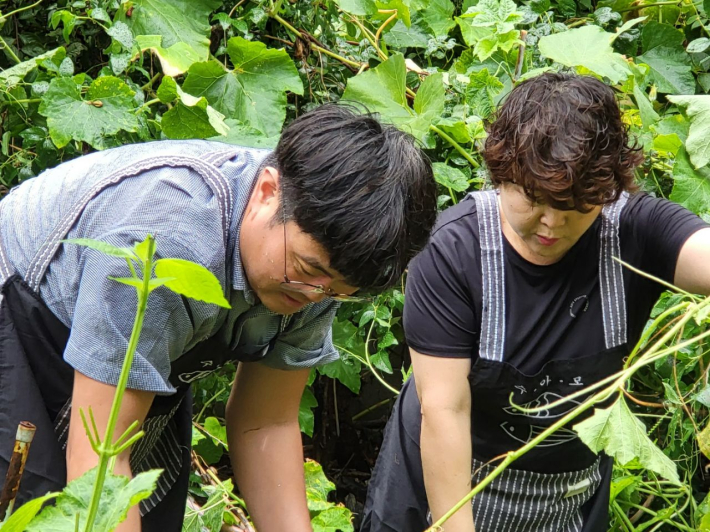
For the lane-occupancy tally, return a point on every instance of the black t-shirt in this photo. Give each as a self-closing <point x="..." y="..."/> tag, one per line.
<point x="552" y="312"/>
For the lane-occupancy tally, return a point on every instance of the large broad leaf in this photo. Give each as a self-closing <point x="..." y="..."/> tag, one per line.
<point x="438" y="16"/>
<point x="106" y="109"/>
<point x="698" y="110"/>
<point x="588" y="47"/>
<point x="191" y="280"/>
<point x="669" y="63"/>
<point x="19" y="520"/>
<point x="317" y="486"/>
<point x="671" y="69"/>
<point x="383" y="90"/>
<point x="691" y="187"/>
<point x="450" y="177"/>
<point x="255" y="91"/>
<point x="192" y="118"/>
<point x="334" y="519"/>
<point x="621" y="435"/>
<point x="242" y="135"/>
<point x="358" y="7"/>
<point x="178" y="30"/>
<point x="400" y="36"/>
<point x="118" y="496"/>
<point x="14" y="75"/>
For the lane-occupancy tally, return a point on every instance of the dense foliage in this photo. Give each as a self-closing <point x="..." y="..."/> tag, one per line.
<point x="87" y="75"/>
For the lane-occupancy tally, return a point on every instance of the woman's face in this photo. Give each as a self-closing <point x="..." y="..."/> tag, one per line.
<point x="542" y="235"/>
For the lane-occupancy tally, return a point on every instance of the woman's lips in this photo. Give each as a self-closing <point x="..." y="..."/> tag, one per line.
<point x="546" y="241"/>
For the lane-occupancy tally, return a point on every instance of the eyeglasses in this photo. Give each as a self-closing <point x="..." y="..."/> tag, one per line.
<point x="307" y="288"/>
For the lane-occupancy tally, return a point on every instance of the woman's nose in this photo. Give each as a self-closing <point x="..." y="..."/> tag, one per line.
<point x="553" y="217"/>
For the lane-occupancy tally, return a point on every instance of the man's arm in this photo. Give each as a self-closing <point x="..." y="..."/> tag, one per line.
<point x="693" y="267"/>
<point x="265" y="446"/>
<point x="445" y="397"/>
<point x="80" y="456"/>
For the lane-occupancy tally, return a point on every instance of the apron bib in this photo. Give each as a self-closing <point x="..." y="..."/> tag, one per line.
<point x="36" y="382"/>
<point x="560" y="486"/>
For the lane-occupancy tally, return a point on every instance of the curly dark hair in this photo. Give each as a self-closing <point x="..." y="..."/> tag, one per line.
<point x="560" y="137"/>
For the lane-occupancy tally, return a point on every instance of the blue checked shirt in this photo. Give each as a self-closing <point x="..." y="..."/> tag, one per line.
<point x="179" y="209"/>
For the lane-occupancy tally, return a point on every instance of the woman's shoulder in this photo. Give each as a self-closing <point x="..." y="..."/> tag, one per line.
<point x="459" y="219"/>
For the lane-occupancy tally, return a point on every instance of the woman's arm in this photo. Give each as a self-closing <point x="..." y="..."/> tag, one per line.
<point x="693" y="267"/>
<point x="445" y="397"/>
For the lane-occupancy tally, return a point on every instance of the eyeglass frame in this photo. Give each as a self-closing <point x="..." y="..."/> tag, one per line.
<point x="309" y="288"/>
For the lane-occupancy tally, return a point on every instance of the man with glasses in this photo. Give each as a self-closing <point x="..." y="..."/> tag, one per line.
<point x="334" y="212"/>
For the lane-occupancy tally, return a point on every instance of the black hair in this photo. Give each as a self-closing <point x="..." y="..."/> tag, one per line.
<point x="362" y="189"/>
<point x="561" y="138"/>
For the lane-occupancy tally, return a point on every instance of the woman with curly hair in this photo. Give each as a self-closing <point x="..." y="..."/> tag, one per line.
<point x="518" y="293"/>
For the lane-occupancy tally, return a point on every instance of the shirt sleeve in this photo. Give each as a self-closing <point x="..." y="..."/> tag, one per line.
<point x="439" y="316"/>
<point x="103" y="320"/>
<point x="307" y="341"/>
<point x="659" y="228"/>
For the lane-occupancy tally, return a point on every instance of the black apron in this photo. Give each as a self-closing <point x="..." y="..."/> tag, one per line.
<point x="560" y="485"/>
<point x="36" y="383"/>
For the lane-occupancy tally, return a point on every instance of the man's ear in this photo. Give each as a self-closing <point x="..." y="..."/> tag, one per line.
<point x="264" y="199"/>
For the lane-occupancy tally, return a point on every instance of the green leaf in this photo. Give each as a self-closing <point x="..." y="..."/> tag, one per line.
<point x="15" y="74"/>
<point x="691" y="187"/>
<point x="305" y="411"/>
<point x="655" y="34"/>
<point x="191" y="280"/>
<point x="130" y="281"/>
<point x="255" y="91"/>
<point x="400" y="36"/>
<point x="450" y="177"/>
<point x="192" y="118"/>
<point x="671" y="69"/>
<point x="438" y="16"/>
<point x="106" y="110"/>
<point x="648" y="114"/>
<point x="216" y="431"/>
<point x="103" y="247"/>
<point x="122" y="33"/>
<point x="317" y="486"/>
<point x="142" y="249"/>
<point x="588" y="47"/>
<point x="242" y="135"/>
<point x="621" y="435"/>
<point x="697" y="108"/>
<point x="167" y="91"/>
<point x="177" y="30"/>
<point x="699" y="45"/>
<point x="358" y="7"/>
<point x="334" y="519"/>
<point x="19" y="520"/>
<point x="347" y="368"/>
<point x="118" y="496"/>
<point x="383" y="90"/>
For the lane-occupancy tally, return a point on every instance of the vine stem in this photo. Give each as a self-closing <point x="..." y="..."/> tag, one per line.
<point x="653" y="4"/>
<point x="313" y="45"/>
<point x="107" y="448"/>
<point x="20" y="10"/>
<point x="383" y="26"/>
<point x="369" y="362"/>
<point x="456" y="145"/>
<point x="9" y="51"/>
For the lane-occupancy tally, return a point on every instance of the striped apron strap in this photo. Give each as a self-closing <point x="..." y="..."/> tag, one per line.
<point x="611" y="279"/>
<point x="212" y="176"/>
<point x="493" y="275"/>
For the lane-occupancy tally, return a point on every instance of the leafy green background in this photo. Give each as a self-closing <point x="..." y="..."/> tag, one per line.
<point x="84" y="75"/>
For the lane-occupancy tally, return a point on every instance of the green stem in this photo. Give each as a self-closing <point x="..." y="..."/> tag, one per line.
<point x="644" y="6"/>
<point x="456" y="145"/>
<point x="4" y="46"/>
<point x="23" y="101"/>
<point x="313" y="45"/>
<point x="20" y="10"/>
<point x="107" y="448"/>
